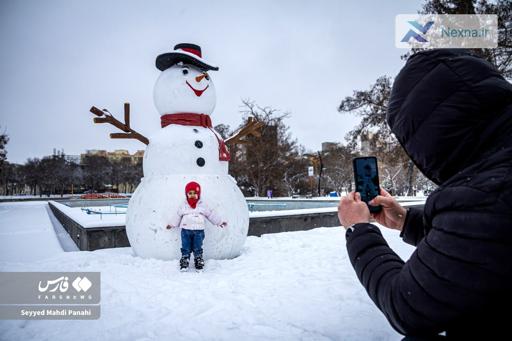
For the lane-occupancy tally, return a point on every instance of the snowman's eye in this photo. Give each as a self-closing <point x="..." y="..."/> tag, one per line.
<point x="206" y="76"/>
<point x="185" y="71"/>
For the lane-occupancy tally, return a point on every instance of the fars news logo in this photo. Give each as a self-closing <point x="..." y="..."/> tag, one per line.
<point x="61" y="284"/>
<point x="57" y="290"/>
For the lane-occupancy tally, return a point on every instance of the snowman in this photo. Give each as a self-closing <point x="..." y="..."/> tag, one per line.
<point x="186" y="149"/>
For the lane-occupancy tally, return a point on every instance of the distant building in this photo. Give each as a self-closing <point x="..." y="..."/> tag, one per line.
<point x="94" y="152"/>
<point x="370" y="142"/>
<point x="366" y="140"/>
<point x="327" y="146"/>
<point x="58" y="153"/>
<point x="72" y="158"/>
<point x="116" y="155"/>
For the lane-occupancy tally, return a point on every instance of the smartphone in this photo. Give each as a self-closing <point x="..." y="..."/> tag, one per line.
<point x="366" y="178"/>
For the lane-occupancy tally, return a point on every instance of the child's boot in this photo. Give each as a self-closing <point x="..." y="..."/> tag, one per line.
<point x="199" y="263"/>
<point x="184" y="263"/>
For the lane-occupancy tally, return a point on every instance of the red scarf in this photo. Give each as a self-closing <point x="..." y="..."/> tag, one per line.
<point x="198" y="120"/>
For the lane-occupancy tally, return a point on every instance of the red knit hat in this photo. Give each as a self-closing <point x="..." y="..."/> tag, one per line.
<point x="193" y="186"/>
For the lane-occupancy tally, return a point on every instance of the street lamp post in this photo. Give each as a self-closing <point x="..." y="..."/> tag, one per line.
<point x="316" y="160"/>
<point x="320" y="172"/>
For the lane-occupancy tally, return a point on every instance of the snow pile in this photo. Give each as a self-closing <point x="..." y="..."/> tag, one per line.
<point x="156" y="201"/>
<point x="286" y="286"/>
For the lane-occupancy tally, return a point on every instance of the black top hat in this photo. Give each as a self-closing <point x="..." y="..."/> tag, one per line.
<point x="186" y="53"/>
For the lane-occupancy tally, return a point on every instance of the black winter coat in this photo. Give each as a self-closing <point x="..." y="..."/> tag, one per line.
<point x="452" y="113"/>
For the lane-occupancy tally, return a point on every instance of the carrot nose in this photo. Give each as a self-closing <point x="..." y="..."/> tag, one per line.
<point x="200" y="77"/>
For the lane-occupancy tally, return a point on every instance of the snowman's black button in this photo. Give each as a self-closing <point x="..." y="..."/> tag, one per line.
<point x="196" y="131"/>
<point x="200" y="162"/>
<point x="199" y="144"/>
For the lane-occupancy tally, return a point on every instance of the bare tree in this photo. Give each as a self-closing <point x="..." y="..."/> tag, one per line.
<point x="260" y="163"/>
<point x="338" y="171"/>
<point x="295" y="177"/>
<point x="97" y="171"/>
<point x="373" y="132"/>
<point x="30" y="174"/>
<point x="4" y="139"/>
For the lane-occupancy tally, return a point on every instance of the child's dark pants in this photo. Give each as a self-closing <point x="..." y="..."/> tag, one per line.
<point x="192" y="241"/>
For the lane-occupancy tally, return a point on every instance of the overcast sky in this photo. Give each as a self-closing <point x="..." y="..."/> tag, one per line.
<point x="58" y="58"/>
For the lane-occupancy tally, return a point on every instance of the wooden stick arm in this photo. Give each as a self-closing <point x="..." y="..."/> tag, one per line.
<point x="252" y="127"/>
<point x="105" y="117"/>
<point x="239" y="142"/>
<point x="96" y="111"/>
<point x="116" y="123"/>
<point x="137" y="136"/>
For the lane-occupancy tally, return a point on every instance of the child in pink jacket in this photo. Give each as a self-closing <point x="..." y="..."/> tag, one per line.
<point x="191" y="217"/>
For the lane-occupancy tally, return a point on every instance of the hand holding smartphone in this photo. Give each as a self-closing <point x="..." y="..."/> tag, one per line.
<point x="366" y="178"/>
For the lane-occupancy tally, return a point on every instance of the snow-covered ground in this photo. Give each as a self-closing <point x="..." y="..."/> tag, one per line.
<point x="26" y="232"/>
<point x="286" y="286"/>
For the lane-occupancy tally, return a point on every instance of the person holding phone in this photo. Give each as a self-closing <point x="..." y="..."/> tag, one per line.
<point x="452" y="113"/>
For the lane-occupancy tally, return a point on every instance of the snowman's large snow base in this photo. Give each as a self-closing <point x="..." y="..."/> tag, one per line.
<point x="157" y="198"/>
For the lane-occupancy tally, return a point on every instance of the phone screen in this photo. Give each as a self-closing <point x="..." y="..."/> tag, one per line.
<point x="366" y="177"/>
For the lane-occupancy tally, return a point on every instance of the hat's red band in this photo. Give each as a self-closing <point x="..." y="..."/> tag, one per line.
<point x="193" y="51"/>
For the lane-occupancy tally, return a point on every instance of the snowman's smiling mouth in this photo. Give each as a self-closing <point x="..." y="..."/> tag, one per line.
<point x="197" y="92"/>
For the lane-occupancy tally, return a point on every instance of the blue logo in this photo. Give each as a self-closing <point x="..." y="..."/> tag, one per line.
<point x="412" y="34"/>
